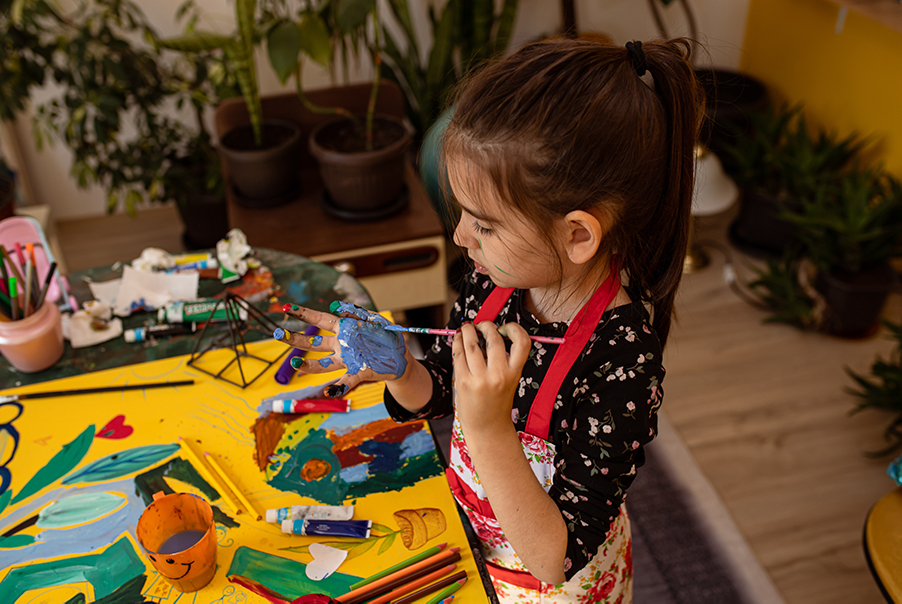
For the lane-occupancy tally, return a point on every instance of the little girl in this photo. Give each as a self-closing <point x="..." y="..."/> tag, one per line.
<point x="571" y="164"/>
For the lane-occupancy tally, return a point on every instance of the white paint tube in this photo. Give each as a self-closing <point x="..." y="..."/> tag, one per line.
<point x="313" y="512"/>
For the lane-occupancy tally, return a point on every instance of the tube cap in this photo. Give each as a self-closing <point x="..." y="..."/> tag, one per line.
<point x="134" y="335"/>
<point x="272" y="515"/>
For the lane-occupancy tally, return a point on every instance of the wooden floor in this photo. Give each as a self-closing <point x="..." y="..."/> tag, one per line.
<point x="761" y="407"/>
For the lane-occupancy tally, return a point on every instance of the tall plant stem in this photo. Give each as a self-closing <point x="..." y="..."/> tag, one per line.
<point x="310" y="105"/>
<point x="377" y="80"/>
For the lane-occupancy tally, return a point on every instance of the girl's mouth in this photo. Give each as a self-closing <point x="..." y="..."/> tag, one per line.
<point x="480" y="269"/>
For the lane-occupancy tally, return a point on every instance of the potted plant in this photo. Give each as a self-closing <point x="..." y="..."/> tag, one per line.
<point x="882" y="389"/>
<point x="783" y="289"/>
<point x="851" y="230"/>
<point x="775" y="164"/>
<point x="262" y="156"/>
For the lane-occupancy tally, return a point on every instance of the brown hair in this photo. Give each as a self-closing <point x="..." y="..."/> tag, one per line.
<point x="565" y="125"/>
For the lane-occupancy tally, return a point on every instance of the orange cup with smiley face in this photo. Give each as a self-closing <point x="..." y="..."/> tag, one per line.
<point x="178" y="535"/>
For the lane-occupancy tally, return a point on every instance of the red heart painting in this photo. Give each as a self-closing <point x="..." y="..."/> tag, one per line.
<point x="115" y="428"/>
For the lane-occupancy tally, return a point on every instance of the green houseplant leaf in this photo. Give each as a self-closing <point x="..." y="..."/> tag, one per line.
<point x="284" y="45"/>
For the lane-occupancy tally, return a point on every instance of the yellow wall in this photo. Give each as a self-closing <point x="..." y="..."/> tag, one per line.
<point x="851" y="82"/>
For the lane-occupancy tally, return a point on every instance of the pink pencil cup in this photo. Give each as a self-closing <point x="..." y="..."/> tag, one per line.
<point x="34" y="343"/>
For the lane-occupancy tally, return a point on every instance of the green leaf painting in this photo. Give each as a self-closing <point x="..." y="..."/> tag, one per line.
<point x="121" y="464"/>
<point x="61" y="464"/>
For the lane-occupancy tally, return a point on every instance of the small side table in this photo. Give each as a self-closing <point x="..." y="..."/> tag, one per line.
<point x="883" y="544"/>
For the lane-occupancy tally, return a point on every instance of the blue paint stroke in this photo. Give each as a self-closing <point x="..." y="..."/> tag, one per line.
<point x="357" y="473"/>
<point x="417" y="443"/>
<point x="346" y="308"/>
<point x="6" y="476"/>
<point x="278" y="333"/>
<point x="342" y="423"/>
<point x="121" y="464"/>
<point x="366" y="345"/>
<point x="79" y="508"/>
<point x="325" y="362"/>
<point x="386" y="456"/>
<point x="316" y="340"/>
<point x="105" y="572"/>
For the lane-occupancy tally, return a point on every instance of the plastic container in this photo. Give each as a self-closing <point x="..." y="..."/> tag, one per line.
<point x="34" y="343"/>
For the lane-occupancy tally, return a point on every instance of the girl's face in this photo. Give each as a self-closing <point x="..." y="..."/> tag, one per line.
<point x="501" y="242"/>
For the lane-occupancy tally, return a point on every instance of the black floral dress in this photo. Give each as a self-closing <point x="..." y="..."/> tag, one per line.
<point x="604" y="414"/>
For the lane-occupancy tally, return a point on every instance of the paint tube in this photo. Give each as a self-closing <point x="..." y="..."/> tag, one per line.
<point x="164" y="330"/>
<point x="310" y="512"/>
<point x="328" y="528"/>
<point x="199" y="311"/>
<point x="340" y="405"/>
<point x="199" y="265"/>
<point x="189" y="258"/>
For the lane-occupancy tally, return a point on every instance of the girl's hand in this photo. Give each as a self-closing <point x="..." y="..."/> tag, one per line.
<point x="361" y="344"/>
<point x="486" y="382"/>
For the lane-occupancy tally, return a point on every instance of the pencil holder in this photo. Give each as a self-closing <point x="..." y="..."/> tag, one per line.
<point x="34" y="343"/>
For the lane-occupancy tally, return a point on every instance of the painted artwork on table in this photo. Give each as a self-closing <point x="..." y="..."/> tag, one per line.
<point x="77" y="472"/>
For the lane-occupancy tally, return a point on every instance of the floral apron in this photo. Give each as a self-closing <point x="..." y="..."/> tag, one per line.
<point x="608" y="575"/>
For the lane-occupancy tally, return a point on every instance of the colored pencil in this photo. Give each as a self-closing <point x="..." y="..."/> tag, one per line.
<point x="432" y="573"/>
<point x="209" y="476"/>
<point x="421" y="556"/>
<point x="451" y="332"/>
<point x="389" y="582"/>
<point x="432" y="588"/>
<point x="447" y="591"/>
<point x="447" y="600"/>
<point x="46" y="286"/>
<point x="12" y="265"/>
<point x="19" y="254"/>
<point x="228" y="482"/>
<point x="35" y="285"/>
<point x="29" y="271"/>
<point x="414" y="585"/>
<point x="55" y="393"/>
<point x="14" y="298"/>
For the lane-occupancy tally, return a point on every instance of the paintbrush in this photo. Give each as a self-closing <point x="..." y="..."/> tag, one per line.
<point x="32" y="395"/>
<point x="451" y="332"/>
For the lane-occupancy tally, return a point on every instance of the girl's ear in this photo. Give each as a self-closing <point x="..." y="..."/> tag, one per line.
<point x="582" y="236"/>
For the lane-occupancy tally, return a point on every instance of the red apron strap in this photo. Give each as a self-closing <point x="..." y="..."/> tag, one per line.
<point x="514" y="577"/>
<point x="493" y="304"/>
<point x="538" y="423"/>
<point x="464" y="494"/>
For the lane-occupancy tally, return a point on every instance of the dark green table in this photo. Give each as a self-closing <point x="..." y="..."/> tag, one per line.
<point x="299" y="279"/>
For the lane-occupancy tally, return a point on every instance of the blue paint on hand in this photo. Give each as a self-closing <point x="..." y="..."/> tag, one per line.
<point x="363" y="314"/>
<point x="368" y="345"/>
<point x="316" y="340"/>
<point x="325" y="362"/>
<point x="279" y="333"/>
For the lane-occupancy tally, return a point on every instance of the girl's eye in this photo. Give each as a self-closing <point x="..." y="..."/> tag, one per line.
<point x="481" y="229"/>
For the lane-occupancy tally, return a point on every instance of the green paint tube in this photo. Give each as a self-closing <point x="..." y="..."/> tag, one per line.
<point x="198" y="311"/>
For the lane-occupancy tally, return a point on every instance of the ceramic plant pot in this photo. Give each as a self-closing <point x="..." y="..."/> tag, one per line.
<point x="855" y="300"/>
<point x="361" y="183"/>
<point x="266" y="175"/>
<point x="758" y="230"/>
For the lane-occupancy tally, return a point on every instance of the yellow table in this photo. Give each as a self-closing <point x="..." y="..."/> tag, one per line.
<point x="78" y="471"/>
<point x="883" y="544"/>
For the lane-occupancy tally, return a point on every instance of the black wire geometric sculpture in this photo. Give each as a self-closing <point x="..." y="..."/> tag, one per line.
<point x="233" y="305"/>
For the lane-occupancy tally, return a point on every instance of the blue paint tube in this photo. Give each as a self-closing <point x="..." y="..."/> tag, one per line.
<point x="310" y="512"/>
<point x="328" y="528"/>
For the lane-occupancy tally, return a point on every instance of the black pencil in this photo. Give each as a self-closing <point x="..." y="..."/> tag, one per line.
<point x="31" y="395"/>
<point x="46" y="286"/>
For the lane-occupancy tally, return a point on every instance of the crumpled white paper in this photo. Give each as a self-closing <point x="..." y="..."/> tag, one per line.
<point x="152" y="259"/>
<point x="140" y="290"/>
<point x="79" y="331"/>
<point x="232" y="250"/>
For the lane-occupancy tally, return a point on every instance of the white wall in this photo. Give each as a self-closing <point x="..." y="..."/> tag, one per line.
<point x="721" y="25"/>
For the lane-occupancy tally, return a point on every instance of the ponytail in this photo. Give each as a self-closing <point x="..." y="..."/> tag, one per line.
<point x="655" y="267"/>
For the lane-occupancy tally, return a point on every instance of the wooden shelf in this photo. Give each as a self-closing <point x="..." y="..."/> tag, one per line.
<point x="885" y="12"/>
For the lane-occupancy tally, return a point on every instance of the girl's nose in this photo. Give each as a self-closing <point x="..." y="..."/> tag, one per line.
<point x="461" y="237"/>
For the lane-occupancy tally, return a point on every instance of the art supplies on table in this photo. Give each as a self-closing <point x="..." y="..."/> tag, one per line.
<point x="328" y="528"/>
<point x="101" y="390"/>
<point x="316" y="405"/>
<point x="163" y="330"/>
<point x="224" y="478"/>
<point x="313" y="512"/>
<point x="402" y="576"/>
<point x="198" y="311"/>
<point x="458" y="578"/>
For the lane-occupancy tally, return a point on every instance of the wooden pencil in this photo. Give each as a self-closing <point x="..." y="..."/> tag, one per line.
<point x="228" y="482"/>
<point x="447" y="591"/>
<point x="382" y="573"/>
<point x="209" y="476"/>
<point x="432" y="588"/>
<point x="406" y="588"/>
<point x="103" y="389"/>
<point x="405" y="575"/>
<point x="29" y="271"/>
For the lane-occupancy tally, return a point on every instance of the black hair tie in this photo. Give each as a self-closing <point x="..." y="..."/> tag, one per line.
<point x="638" y="57"/>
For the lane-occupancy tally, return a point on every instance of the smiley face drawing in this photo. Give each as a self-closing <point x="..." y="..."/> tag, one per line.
<point x="178" y="534"/>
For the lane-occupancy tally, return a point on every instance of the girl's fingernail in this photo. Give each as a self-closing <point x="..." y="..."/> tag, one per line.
<point x="333" y="308"/>
<point x="297" y="362"/>
<point x="336" y="390"/>
<point x="281" y="334"/>
<point x="287" y="307"/>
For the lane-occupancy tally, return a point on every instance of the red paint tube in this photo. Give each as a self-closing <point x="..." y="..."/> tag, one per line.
<point x="313" y="405"/>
